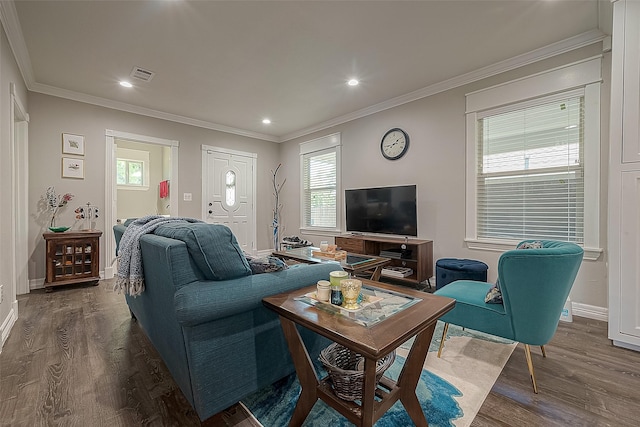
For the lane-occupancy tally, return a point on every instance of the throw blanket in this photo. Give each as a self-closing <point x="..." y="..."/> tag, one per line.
<point x="130" y="275"/>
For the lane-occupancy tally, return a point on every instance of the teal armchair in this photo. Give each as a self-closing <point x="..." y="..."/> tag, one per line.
<point x="535" y="284"/>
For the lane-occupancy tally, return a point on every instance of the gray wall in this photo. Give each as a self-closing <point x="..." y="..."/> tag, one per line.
<point x="436" y="163"/>
<point x="51" y="116"/>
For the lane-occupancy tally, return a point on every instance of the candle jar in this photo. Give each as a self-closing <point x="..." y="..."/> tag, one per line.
<point x="350" y="292"/>
<point x="336" y="295"/>
<point x="324" y="290"/>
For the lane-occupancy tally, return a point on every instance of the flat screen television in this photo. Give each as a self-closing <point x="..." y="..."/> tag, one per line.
<point x="384" y="210"/>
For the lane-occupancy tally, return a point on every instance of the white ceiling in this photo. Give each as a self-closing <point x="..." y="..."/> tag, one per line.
<point x="227" y="65"/>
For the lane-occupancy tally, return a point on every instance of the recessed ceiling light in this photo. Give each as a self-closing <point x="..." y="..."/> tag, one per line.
<point x="266" y="121"/>
<point x="125" y="84"/>
<point x="353" y="82"/>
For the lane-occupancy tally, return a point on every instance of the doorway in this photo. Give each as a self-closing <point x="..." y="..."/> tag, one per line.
<point x="228" y="195"/>
<point x="151" y="175"/>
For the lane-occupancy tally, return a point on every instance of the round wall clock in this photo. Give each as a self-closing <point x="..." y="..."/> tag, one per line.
<point x="395" y="144"/>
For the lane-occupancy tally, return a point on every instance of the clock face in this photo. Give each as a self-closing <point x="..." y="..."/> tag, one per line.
<point x="395" y="144"/>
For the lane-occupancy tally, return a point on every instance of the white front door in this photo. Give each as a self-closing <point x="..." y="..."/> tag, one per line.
<point x="228" y="192"/>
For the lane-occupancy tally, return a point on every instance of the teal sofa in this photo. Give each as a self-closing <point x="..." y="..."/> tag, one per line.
<point x="215" y="336"/>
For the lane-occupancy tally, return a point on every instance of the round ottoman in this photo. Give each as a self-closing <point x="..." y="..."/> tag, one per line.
<point x="451" y="269"/>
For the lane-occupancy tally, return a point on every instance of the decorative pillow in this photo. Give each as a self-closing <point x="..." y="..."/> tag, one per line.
<point x="494" y="296"/>
<point x="267" y="264"/>
<point x="213" y="247"/>
<point x="530" y="245"/>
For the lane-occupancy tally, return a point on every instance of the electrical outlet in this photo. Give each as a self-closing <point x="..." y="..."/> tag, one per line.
<point x="187" y="197"/>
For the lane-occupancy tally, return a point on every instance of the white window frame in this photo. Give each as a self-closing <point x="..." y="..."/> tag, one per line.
<point x="584" y="75"/>
<point x="140" y="156"/>
<point x="321" y="145"/>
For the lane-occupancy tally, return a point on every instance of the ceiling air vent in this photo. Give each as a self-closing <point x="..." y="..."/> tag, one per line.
<point x="142" y="74"/>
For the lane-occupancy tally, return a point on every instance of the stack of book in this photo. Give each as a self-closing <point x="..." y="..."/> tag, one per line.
<point x="397" y="272"/>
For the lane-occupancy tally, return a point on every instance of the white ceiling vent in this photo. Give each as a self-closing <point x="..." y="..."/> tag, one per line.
<point x="142" y="74"/>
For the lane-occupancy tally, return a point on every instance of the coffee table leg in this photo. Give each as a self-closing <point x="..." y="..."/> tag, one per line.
<point x="410" y="375"/>
<point x="376" y="274"/>
<point x="368" y="394"/>
<point x="305" y="371"/>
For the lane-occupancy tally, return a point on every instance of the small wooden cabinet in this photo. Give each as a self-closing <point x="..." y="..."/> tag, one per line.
<point x="72" y="257"/>
<point x="417" y="254"/>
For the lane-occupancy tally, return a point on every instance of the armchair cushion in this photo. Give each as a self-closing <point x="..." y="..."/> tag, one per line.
<point x="213" y="248"/>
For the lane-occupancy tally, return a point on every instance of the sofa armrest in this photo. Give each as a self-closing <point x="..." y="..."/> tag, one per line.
<point x="204" y="301"/>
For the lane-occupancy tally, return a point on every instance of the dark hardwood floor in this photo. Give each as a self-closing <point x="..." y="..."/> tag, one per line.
<point x="75" y="358"/>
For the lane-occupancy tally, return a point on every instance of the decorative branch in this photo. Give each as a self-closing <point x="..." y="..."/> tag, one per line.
<point x="277" y="207"/>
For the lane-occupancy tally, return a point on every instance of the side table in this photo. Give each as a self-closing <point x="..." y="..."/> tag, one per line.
<point x="373" y="342"/>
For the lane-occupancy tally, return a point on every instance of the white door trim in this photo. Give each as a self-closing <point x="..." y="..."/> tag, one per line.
<point x="19" y="136"/>
<point x="206" y="149"/>
<point x="110" y="192"/>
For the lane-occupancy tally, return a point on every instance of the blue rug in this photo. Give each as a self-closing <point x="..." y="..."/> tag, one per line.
<point x="451" y="389"/>
<point x="273" y="406"/>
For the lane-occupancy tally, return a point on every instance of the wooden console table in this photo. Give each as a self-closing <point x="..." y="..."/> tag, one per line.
<point x="72" y="257"/>
<point x="417" y="254"/>
<point x="372" y="342"/>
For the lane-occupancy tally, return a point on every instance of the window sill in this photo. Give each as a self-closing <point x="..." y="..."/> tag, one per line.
<point x="320" y="231"/>
<point x="133" y="188"/>
<point x="590" y="254"/>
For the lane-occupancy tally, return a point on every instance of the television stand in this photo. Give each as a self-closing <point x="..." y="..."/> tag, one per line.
<point x="417" y="254"/>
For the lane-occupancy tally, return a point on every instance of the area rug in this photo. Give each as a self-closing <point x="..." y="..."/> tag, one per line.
<point x="451" y="389"/>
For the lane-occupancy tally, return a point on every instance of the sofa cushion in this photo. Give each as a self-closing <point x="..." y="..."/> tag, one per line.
<point x="213" y="247"/>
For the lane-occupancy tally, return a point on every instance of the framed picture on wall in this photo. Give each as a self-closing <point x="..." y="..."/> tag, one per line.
<point x="72" y="144"/>
<point x="72" y="168"/>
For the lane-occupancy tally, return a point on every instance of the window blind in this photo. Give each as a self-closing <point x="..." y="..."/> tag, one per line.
<point x="530" y="180"/>
<point x="319" y="171"/>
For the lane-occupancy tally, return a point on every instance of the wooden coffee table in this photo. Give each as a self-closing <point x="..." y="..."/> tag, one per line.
<point x="373" y="342"/>
<point x="305" y="254"/>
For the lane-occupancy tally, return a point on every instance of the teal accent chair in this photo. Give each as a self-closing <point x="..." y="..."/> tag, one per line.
<point x="535" y="284"/>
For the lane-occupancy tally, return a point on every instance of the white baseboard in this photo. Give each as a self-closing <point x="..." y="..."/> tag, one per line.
<point x="8" y="323"/>
<point x="36" y="283"/>
<point x="590" y="311"/>
<point x="626" y="345"/>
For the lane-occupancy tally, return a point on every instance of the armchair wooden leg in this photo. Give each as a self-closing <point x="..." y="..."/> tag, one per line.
<point x="544" y="353"/>
<point x="527" y="353"/>
<point x="444" y="336"/>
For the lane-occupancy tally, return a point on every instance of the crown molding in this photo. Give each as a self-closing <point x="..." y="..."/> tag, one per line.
<point x="149" y="112"/>
<point x="13" y="30"/>
<point x="554" y="49"/>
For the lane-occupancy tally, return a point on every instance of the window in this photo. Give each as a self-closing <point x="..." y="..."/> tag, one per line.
<point x="530" y="171"/>
<point x="130" y="172"/>
<point x="132" y="169"/>
<point x="320" y="163"/>
<point x="230" y="188"/>
<point x="533" y="160"/>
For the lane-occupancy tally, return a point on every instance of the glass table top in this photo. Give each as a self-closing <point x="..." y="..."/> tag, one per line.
<point x="385" y="304"/>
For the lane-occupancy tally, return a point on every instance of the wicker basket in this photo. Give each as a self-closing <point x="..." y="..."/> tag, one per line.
<point x="346" y="370"/>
